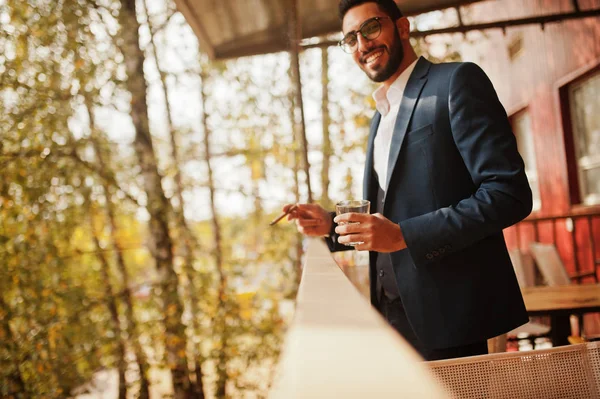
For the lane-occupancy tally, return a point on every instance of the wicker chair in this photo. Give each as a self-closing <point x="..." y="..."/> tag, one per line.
<point x="566" y="372"/>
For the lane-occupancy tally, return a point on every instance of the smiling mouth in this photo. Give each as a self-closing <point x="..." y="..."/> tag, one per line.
<point x="373" y="56"/>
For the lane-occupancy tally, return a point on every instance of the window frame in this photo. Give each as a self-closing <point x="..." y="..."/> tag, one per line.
<point x="563" y="88"/>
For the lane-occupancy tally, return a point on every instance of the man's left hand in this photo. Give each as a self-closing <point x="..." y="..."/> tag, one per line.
<point x="375" y="231"/>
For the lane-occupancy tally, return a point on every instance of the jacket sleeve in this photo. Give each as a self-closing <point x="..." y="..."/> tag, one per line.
<point x="484" y="139"/>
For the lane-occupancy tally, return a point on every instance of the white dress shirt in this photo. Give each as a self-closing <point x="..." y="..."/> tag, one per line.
<point x="386" y="101"/>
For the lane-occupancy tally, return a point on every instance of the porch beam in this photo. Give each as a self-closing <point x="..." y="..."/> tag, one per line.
<point x="542" y="20"/>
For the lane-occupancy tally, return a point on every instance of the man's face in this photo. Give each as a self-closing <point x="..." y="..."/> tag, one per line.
<point x="380" y="57"/>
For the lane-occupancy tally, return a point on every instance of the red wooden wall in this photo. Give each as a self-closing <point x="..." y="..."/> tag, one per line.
<point x="551" y="57"/>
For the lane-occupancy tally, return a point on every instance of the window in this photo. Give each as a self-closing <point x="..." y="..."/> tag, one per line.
<point x="521" y="124"/>
<point x="584" y="101"/>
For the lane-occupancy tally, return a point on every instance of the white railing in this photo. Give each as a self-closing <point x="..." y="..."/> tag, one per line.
<point x="338" y="346"/>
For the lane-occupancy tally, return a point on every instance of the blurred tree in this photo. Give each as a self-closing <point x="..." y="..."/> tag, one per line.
<point x="299" y="124"/>
<point x="188" y="241"/>
<point x="111" y="300"/>
<point x="131" y="328"/>
<point x="54" y="343"/>
<point x="157" y="204"/>
<point x="438" y="48"/>
<point x="220" y="321"/>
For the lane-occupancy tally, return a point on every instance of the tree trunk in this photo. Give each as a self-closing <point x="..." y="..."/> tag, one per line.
<point x="296" y="170"/>
<point x="157" y="204"/>
<point x="132" y="327"/>
<point x="188" y="239"/>
<point x="220" y="321"/>
<point x="327" y="151"/>
<point x="295" y="35"/>
<point x="111" y="302"/>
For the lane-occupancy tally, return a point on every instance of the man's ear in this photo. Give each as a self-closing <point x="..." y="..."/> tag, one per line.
<point x="403" y="26"/>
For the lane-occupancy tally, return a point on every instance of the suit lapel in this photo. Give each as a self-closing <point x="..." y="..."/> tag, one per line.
<point x="407" y="106"/>
<point x="368" y="175"/>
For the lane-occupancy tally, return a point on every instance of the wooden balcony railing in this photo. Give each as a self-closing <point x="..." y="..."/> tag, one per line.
<point x="338" y="346"/>
<point x="576" y="235"/>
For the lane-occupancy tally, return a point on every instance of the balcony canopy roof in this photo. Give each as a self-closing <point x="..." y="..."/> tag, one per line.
<point x="237" y="28"/>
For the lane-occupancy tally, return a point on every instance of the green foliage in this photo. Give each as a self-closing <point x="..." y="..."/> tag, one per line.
<point x="54" y="340"/>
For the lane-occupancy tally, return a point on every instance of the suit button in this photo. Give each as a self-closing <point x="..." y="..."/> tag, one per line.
<point x="435" y="253"/>
<point x="442" y="250"/>
<point x="381" y="273"/>
<point x="429" y="256"/>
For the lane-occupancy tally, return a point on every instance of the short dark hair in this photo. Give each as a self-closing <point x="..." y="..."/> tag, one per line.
<point x="388" y="6"/>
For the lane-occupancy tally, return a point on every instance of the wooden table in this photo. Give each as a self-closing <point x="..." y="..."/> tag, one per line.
<point x="559" y="302"/>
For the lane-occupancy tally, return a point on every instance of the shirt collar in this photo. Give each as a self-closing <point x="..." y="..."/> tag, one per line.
<point x="385" y="98"/>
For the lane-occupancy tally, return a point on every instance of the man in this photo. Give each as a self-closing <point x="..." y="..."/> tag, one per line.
<point x="444" y="178"/>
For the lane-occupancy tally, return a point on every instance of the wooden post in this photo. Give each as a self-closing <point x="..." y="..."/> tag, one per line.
<point x="295" y="35"/>
<point x="327" y="150"/>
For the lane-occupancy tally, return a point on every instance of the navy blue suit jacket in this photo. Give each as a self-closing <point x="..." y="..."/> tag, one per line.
<point x="455" y="180"/>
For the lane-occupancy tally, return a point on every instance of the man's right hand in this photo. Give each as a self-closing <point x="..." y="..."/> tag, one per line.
<point x="311" y="219"/>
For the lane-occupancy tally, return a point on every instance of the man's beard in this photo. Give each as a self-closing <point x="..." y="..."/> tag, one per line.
<point x="396" y="55"/>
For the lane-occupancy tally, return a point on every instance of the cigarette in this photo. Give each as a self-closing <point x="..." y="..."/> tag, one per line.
<point x="283" y="214"/>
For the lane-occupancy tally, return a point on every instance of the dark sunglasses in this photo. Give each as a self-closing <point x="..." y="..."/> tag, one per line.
<point x="369" y="30"/>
